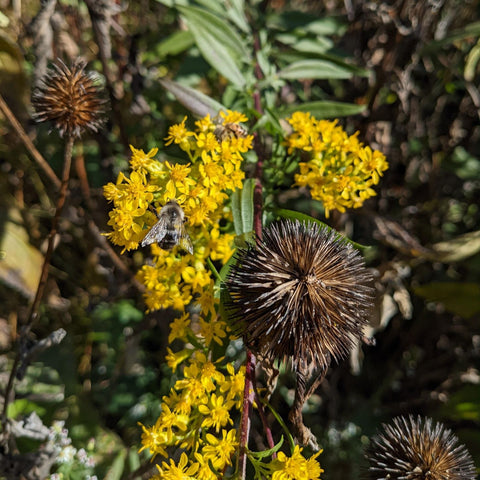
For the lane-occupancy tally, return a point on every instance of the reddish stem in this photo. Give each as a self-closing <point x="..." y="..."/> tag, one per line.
<point x="245" y="421"/>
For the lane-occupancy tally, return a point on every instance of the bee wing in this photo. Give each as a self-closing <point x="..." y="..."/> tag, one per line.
<point x="184" y="241"/>
<point x="156" y="233"/>
<point x="186" y="244"/>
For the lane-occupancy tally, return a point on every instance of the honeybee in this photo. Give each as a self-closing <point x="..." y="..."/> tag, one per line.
<point x="226" y="131"/>
<point x="170" y="229"/>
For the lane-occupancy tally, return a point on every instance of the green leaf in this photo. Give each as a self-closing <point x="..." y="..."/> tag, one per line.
<point x="23" y="406"/>
<point x="316" y="45"/>
<point x="117" y="466"/>
<point x="458" y="248"/>
<point x="320" y="69"/>
<point x="267" y="453"/>
<point x="174" y="44"/>
<point x="236" y="13"/>
<point x="242" y="207"/>
<point x="21" y="263"/>
<point x="133" y="459"/>
<point x="306" y="23"/>
<point x="460" y="298"/>
<point x="218" y="42"/>
<point x="471" y="62"/>
<point x="197" y="102"/>
<point x="471" y="30"/>
<point x="325" y="109"/>
<point x="293" y="215"/>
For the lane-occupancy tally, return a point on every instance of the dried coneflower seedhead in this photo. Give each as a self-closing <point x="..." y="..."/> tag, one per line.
<point x="300" y="294"/>
<point x="70" y="98"/>
<point x="418" y="450"/>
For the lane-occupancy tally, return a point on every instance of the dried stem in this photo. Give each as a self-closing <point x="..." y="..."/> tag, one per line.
<point x="37" y="156"/>
<point x="33" y="314"/>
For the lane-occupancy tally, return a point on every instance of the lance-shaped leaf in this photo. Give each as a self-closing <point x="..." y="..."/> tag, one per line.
<point x="325" y="109"/>
<point x="242" y="207"/>
<point x="198" y="103"/>
<point x="320" y="69"/>
<point x="218" y="42"/>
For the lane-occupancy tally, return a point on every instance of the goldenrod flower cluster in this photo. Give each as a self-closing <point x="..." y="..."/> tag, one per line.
<point x="340" y="170"/>
<point x="296" y="467"/>
<point x="201" y="187"/>
<point x="197" y="416"/>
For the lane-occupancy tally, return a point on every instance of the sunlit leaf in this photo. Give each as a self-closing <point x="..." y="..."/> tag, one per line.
<point x="325" y="109"/>
<point x="320" y="69"/>
<point x="458" y="248"/>
<point x="218" y="42"/>
<point x="21" y="263"/>
<point x="193" y="100"/>
<point x="242" y="207"/>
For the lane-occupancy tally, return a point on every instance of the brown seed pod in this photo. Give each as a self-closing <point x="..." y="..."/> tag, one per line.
<point x="300" y="294"/>
<point x="418" y="450"/>
<point x="70" y="98"/>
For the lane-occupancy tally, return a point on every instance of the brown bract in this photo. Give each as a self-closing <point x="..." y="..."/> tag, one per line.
<point x="300" y="294"/>
<point x="70" y="98"/>
<point x="418" y="450"/>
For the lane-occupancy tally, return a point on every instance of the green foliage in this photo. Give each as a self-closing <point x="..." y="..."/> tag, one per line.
<point x="175" y="57"/>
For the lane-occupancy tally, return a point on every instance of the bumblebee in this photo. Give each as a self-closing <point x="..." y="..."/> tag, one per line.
<point x="226" y="131"/>
<point x="170" y="229"/>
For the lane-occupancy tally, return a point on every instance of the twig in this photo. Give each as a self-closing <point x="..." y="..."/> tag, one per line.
<point x="101" y="13"/>
<point x="53" y="339"/>
<point x="33" y="314"/>
<point x="37" y="156"/>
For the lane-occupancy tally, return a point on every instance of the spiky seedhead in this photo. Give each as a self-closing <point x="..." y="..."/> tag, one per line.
<point x="300" y="294"/>
<point x="70" y="98"/>
<point x="418" y="450"/>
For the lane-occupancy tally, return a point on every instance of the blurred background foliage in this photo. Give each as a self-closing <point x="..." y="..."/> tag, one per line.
<point x="407" y="74"/>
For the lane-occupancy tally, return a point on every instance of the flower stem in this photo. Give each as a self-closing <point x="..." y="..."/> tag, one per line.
<point x="37" y="156"/>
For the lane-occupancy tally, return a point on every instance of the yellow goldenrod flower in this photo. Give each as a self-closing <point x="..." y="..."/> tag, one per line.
<point x="216" y="411"/>
<point x="296" y="467"/>
<point x="143" y="162"/>
<point x="213" y="330"/>
<point x="178" y="133"/>
<point x="340" y="171"/>
<point x="204" y="470"/>
<point x="220" y="450"/>
<point x="174" y="359"/>
<point x="181" y="472"/>
<point x="179" y="328"/>
<point x="154" y="439"/>
<point x="234" y="385"/>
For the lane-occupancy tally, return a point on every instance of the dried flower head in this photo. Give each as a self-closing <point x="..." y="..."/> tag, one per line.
<point x="70" y="98"/>
<point x="300" y="294"/>
<point x="418" y="450"/>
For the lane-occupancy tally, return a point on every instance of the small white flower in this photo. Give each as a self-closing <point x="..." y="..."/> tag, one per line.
<point x="82" y="455"/>
<point x="67" y="454"/>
